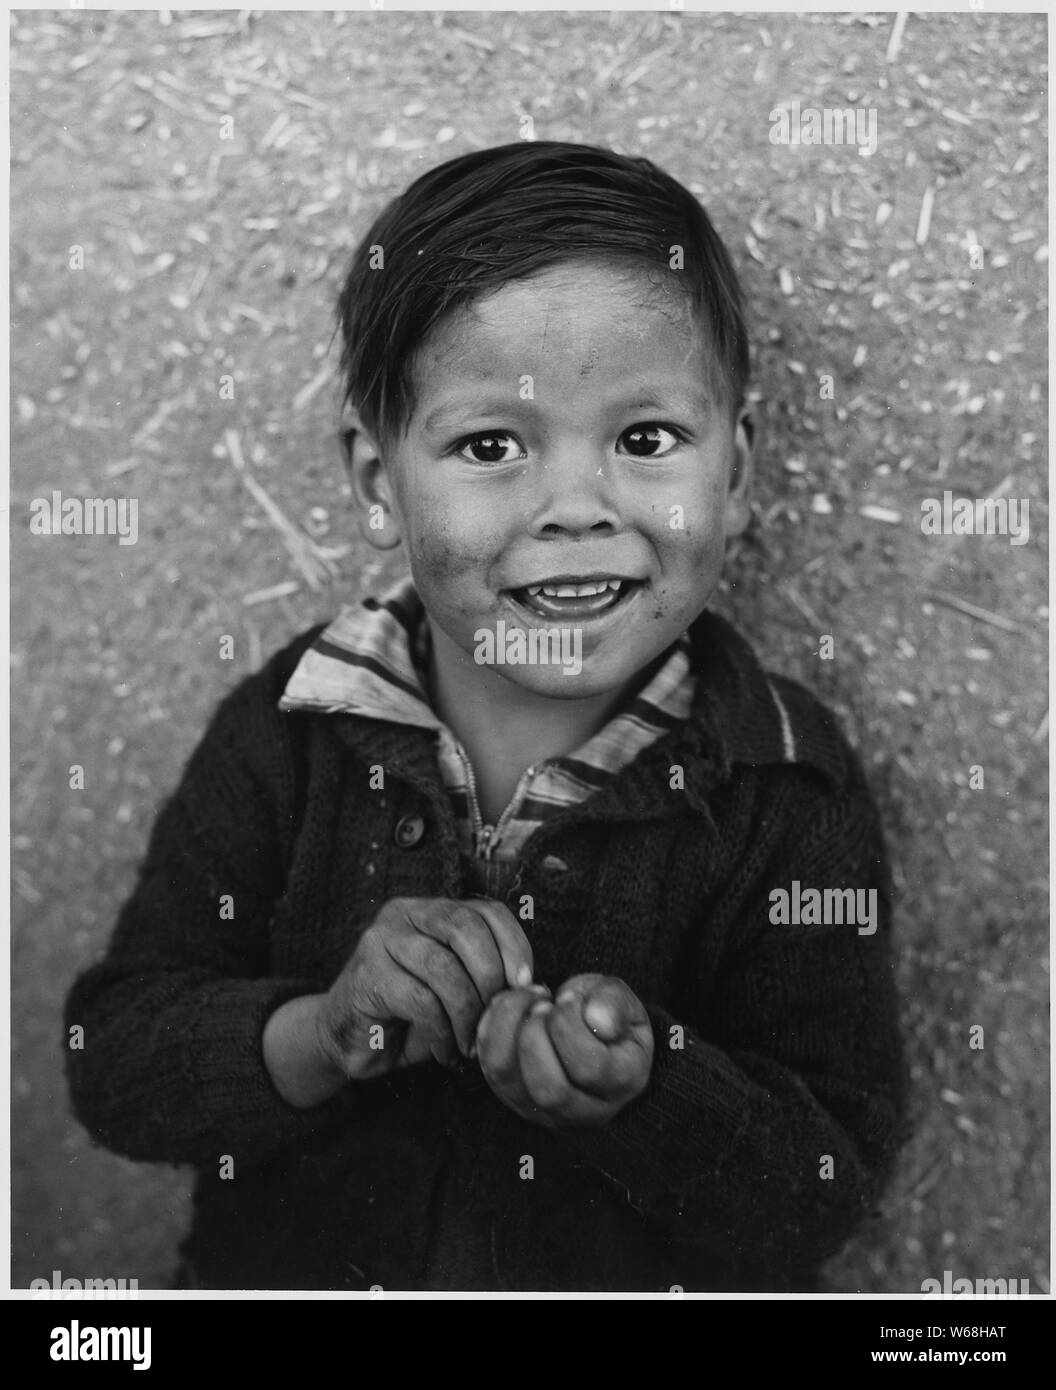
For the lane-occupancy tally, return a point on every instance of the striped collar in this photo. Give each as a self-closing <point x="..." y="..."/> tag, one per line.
<point x="371" y="661"/>
<point x="741" y="713"/>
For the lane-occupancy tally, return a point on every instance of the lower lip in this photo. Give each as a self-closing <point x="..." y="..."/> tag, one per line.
<point x="581" y="617"/>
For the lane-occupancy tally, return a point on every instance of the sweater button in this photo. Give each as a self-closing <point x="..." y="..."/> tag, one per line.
<point x="409" y="830"/>
<point x="553" y="865"/>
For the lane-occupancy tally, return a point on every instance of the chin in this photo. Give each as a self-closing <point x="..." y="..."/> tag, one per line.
<point x="557" y="683"/>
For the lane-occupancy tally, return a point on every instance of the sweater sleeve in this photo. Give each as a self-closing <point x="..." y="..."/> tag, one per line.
<point x="171" y="1067"/>
<point x="774" y="1107"/>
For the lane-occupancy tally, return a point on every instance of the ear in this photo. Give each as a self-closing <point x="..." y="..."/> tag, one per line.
<point x="738" y="504"/>
<point x="371" y="487"/>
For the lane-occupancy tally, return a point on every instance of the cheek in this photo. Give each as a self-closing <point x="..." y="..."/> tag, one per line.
<point x="436" y="554"/>
<point x="689" y="505"/>
<point x="690" y="535"/>
<point x="450" y="536"/>
<point x="430" y="528"/>
<point x="691" y="549"/>
<point x="445" y="563"/>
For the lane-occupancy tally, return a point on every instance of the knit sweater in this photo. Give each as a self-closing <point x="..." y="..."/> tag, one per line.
<point x="774" y="1104"/>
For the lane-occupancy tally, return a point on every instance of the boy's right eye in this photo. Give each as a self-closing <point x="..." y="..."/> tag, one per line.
<point x="488" y="448"/>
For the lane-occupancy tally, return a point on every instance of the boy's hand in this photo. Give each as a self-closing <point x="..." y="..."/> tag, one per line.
<point x="576" y="1061"/>
<point x="424" y="970"/>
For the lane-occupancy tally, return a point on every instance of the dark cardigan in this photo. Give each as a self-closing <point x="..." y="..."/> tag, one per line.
<point x="774" y="1105"/>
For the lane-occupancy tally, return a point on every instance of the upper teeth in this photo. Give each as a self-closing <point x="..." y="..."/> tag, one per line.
<point x="574" y="590"/>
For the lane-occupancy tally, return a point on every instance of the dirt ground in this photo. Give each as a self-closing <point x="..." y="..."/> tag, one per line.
<point x="207" y="257"/>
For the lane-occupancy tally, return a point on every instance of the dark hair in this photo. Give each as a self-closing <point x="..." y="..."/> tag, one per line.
<point x="481" y="220"/>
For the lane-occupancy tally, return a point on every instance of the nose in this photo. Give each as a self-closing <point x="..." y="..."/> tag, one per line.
<point x="576" y="494"/>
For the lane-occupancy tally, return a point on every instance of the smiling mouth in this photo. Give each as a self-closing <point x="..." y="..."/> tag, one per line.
<point x="575" y="599"/>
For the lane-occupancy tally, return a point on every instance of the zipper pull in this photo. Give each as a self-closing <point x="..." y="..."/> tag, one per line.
<point x="484" y="837"/>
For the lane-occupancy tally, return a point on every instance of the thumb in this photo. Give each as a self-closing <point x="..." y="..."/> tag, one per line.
<point x="609" y="1011"/>
<point x="602" y="1019"/>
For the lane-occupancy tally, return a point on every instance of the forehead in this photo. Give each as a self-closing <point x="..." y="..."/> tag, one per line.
<point x="586" y="318"/>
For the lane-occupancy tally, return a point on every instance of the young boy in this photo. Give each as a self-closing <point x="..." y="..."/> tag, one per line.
<point x="476" y="949"/>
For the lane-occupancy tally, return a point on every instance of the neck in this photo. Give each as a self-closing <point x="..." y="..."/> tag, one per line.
<point x="504" y="728"/>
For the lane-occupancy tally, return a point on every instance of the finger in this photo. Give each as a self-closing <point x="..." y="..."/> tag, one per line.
<point x="611" y="1072"/>
<point x="586" y="1059"/>
<point x="577" y="987"/>
<point x="440" y="973"/>
<point x="419" y="1027"/>
<point x="468" y="934"/>
<point x="497" y="1039"/>
<point x="611" y="1009"/>
<point x="545" y="1079"/>
<point x="577" y="992"/>
<point x="421" y="1046"/>
<point x="541" y="1072"/>
<point x="614" y="1011"/>
<point x="514" y="947"/>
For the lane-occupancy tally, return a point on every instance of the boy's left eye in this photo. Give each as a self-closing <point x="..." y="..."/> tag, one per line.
<point x="650" y="441"/>
<point x="489" y="448"/>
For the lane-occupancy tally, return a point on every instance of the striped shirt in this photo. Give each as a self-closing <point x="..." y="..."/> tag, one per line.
<point x="373" y="660"/>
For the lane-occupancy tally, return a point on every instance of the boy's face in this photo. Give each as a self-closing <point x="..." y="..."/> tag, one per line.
<point x="565" y="434"/>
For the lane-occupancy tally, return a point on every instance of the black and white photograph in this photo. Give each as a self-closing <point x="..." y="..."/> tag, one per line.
<point x="529" y="630"/>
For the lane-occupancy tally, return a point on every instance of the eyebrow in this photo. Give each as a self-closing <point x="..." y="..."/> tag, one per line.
<point x="702" y="403"/>
<point x="485" y="405"/>
<point x="648" y="400"/>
